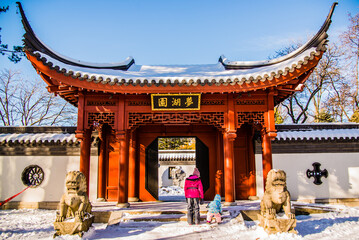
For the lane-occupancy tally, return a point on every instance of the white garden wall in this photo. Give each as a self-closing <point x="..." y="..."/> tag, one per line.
<point x="342" y="181"/>
<point x="53" y="186"/>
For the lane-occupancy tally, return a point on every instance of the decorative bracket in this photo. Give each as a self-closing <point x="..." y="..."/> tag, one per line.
<point x="231" y="135"/>
<point x="272" y="134"/>
<point x="80" y="135"/>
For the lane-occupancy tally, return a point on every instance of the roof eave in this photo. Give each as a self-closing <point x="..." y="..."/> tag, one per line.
<point x="32" y="44"/>
<point x="319" y="41"/>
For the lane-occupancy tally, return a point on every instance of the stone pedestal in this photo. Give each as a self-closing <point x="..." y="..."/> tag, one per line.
<point x="272" y="226"/>
<point x="133" y="199"/>
<point x="73" y="227"/>
<point x="123" y="205"/>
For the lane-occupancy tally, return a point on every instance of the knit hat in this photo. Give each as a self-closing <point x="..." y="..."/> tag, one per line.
<point x="217" y="198"/>
<point x="196" y="172"/>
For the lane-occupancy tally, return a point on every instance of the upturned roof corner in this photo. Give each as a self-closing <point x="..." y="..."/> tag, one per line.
<point x="318" y="41"/>
<point x="33" y="44"/>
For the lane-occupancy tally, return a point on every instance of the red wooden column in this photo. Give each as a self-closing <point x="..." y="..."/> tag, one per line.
<point x="228" y="138"/>
<point x="101" y="184"/>
<point x="85" y="153"/>
<point x="122" y="137"/>
<point x="266" y="156"/>
<point x="229" y="178"/>
<point x="268" y="134"/>
<point x="218" y="182"/>
<point x="84" y="136"/>
<point x="122" y="201"/>
<point x="132" y="169"/>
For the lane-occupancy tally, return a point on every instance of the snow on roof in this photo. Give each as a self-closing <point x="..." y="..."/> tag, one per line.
<point x="177" y="155"/>
<point x="168" y="155"/>
<point x="318" y="134"/>
<point x="215" y="73"/>
<point x="225" y="72"/>
<point x="24" y="138"/>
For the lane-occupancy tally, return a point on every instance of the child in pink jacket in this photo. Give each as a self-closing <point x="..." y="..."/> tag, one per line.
<point x="193" y="191"/>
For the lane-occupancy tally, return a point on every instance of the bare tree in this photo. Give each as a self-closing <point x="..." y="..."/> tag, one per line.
<point x="339" y="103"/>
<point x="8" y="98"/>
<point x="350" y="43"/>
<point x="310" y="103"/>
<point x="31" y="104"/>
<point x="324" y="83"/>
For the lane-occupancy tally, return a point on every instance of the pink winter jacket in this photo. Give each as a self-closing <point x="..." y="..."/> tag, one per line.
<point x="193" y="187"/>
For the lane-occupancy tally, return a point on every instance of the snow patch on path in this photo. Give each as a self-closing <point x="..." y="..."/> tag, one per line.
<point x="38" y="224"/>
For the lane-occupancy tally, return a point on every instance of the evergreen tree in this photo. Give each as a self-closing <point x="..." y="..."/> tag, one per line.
<point x="176" y="143"/>
<point x="16" y="52"/>
<point x="324" y="116"/>
<point x="355" y="117"/>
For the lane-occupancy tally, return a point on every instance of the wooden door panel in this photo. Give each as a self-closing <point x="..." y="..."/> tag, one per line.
<point x="113" y="171"/>
<point x="202" y="163"/>
<point x="245" y="184"/>
<point x="152" y="168"/>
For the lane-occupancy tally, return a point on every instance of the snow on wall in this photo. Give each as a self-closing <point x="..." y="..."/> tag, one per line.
<point x="342" y="181"/>
<point x="53" y="186"/>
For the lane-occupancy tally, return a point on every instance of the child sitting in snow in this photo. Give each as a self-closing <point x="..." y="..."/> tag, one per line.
<point x="215" y="210"/>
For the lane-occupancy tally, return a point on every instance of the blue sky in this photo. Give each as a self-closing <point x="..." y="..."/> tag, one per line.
<point x="169" y="32"/>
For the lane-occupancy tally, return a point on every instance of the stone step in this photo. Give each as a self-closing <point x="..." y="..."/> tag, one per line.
<point x="167" y="212"/>
<point x="163" y="217"/>
<point x="113" y="217"/>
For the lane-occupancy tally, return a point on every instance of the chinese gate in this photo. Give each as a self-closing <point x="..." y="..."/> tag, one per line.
<point x="224" y="105"/>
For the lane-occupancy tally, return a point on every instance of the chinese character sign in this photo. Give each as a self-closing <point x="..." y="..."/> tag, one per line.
<point x="175" y="101"/>
<point x="162" y="102"/>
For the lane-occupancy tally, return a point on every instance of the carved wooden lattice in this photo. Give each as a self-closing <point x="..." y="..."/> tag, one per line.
<point x="101" y="118"/>
<point x="213" y="118"/>
<point x="255" y="118"/>
<point x="139" y="103"/>
<point x="212" y="102"/>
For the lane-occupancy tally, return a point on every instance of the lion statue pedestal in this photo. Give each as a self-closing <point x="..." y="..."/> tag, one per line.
<point x="276" y="198"/>
<point x="74" y="216"/>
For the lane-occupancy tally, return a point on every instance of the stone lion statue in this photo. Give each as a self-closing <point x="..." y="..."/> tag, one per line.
<point x="74" y="202"/>
<point x="178" y="176"/>
<point x="276" y="196"/>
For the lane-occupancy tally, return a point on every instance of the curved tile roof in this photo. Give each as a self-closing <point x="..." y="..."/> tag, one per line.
<point x="225" y="72"/>
<point x="318" y="41"/>
<point x="33" y="43"/>
<point x="180" y="74"/>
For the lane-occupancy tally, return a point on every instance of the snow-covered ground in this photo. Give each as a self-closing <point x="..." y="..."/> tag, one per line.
<point x="171" y="193"/>
<point x="38" y="224"/>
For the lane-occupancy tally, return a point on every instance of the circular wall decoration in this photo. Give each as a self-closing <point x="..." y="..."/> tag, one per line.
<point x="32" y="176"/>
